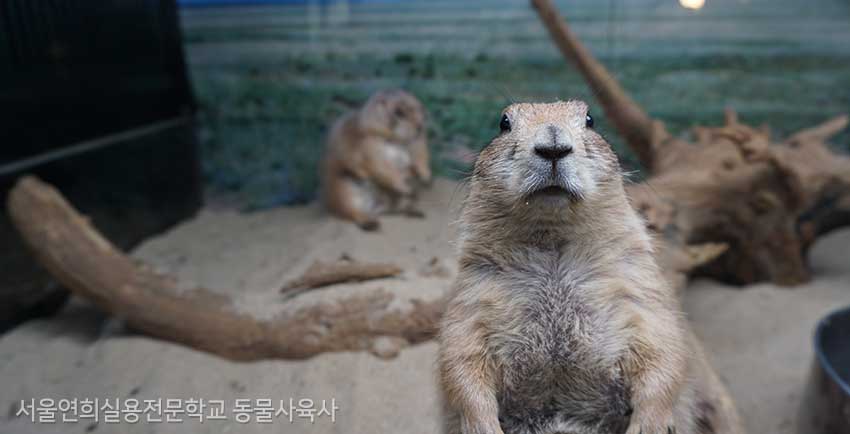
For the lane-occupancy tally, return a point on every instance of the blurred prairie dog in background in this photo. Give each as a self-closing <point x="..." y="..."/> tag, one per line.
<point x="376" y="159"/>
<point x="560" y="320"/>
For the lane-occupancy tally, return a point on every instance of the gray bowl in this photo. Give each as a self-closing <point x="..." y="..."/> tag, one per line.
<point x="826" y="403"/>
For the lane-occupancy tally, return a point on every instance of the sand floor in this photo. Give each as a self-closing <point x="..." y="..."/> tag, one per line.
<point x="759" y="337"/>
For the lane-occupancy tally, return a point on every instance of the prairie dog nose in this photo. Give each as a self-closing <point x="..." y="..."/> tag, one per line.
<point x="552" y="152"/>
<point x="552" y="147"/>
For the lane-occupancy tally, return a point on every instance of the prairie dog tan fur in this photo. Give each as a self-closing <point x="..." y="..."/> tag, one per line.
<point x="560" y="320"/>
<point x="376" y="159"/>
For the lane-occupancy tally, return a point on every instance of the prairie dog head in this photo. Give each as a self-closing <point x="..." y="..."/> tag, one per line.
<point x="394" y="114"/>
<point x="546" y="157"/>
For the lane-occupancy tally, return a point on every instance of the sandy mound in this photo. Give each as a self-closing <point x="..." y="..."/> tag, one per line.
<point x="759" y="337"/>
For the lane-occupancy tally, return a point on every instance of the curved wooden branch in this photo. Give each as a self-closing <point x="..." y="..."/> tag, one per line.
<point x="80" y="258"/>
<point x="323" y="274"/>
<point x="641" y="132"/>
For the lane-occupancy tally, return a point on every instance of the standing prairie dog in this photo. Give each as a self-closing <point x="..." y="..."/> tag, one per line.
<point x="560" y="320"/>
<point x="376" y="159"/>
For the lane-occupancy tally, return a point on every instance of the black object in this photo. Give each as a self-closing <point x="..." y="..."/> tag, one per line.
<point x="826" y="404"/>
<point x="73" y="70"/>
<point x="95" y="100"/>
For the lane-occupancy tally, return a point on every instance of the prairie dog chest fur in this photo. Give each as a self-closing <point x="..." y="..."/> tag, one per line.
<point x="554" y="316"/>
<point x="558" y="350"/>
<point x="397" y="155"/>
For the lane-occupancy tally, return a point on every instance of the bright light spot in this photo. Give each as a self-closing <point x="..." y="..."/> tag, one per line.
<point x="692" y="4"/>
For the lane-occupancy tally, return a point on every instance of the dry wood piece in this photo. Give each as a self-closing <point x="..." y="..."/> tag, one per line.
<point x="77" y="255"/>
<point x="766" y="202"/>
<point x="344" y="270"/>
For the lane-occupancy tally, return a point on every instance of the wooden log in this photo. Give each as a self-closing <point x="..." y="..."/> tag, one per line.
<point x="323" y="274"/>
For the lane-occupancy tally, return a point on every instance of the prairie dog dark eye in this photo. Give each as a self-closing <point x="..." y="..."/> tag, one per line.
<point x="505" y="124"/>
<point x="588" y="121"/>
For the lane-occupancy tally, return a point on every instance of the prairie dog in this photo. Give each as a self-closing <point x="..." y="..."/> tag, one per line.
<point x="376" y="159"/>
<point x="560" y="320"/>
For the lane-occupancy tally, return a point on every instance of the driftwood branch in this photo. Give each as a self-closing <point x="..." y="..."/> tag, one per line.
<point x="323" y="274"/>
<point x="77" y="255"/>
<point x="820" y="133"/>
